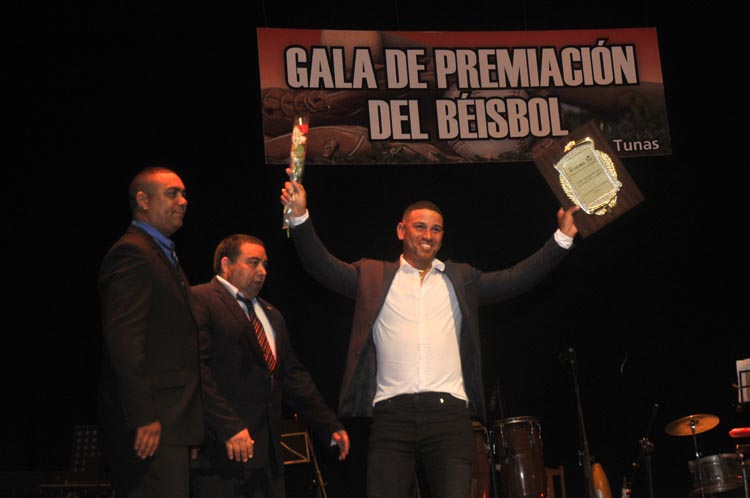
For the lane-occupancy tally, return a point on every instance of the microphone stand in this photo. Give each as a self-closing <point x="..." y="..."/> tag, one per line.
<point x="587" y="470"/>
<point x="647" y="449"/>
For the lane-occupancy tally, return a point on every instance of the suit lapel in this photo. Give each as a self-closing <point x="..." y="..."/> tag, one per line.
<point x="158" y="252"/>
<point x="389" y="273"/>
<point x="457" y="280"/>
<point x="238" y="315"/>
<point x="179" y="276"/>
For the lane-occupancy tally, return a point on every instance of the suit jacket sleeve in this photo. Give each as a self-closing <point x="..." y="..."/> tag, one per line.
<point x="126" y="290"/>
<point x="335" y="274"/>
<point x="303" y="396"/>
<point x="503" y="284"/>
<point x="222" y="419"/>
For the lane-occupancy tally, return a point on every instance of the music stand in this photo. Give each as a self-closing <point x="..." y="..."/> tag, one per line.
<point x="743" y="382"/>
<point x="297" y="447"/>
<point x="743" y="400"/>
<point x="85" y="475"/>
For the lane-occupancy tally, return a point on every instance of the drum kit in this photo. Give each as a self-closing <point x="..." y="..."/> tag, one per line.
<point x="513" y="447"/>
<point x="724" y="474"/>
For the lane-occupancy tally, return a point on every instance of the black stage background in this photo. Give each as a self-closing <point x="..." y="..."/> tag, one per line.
<point x="650" y="303"/>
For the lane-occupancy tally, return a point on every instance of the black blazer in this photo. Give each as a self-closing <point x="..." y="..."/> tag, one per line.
<point x="150" y="367"/>
<point x="367" y="281"/>
<point x="239" y="391"/>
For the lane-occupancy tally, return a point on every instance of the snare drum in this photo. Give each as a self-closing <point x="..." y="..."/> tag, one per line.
<point x="717" y="473"/>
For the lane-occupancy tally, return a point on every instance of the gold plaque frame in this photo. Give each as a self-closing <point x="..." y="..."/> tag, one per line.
<point x="588" y="177"/>
<point x="582" y="169"/>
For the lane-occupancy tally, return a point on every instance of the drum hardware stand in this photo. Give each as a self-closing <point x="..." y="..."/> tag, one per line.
<point x="491" y="461"/>
<point x="584" y="456"/>
<point x="742" y="451"/>
<point x="697" y="457"/>
<point x="744" y="465"/>
<point x="498" y="406"/>
<point x="689" y="426"/>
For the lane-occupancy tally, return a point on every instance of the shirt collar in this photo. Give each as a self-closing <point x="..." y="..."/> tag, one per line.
<point x="234" y="291"/>
<point x="405" y="266"/>
<point x="164" y="241"/>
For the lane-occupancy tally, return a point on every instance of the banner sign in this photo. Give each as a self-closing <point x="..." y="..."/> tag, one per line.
<point x="390" y="97"/>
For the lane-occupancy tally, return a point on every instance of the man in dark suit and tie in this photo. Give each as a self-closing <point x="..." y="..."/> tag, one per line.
<point x="150" y="404"/>
<point x="414" y="359"/>
<point x="248" y="369"/>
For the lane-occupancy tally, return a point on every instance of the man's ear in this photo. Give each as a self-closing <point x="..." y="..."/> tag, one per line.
<point x="225" y="264"/>
<point x="400" y="231"/>
<point x="142" y="198"/>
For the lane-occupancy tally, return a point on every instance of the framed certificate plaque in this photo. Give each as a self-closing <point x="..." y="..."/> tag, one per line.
<point x="582" y="169"/>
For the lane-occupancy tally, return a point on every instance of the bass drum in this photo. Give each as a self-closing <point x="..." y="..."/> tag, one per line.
<point x="520" y="458"/>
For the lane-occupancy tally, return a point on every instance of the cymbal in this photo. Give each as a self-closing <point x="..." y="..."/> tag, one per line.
<point x="692" y="424"/>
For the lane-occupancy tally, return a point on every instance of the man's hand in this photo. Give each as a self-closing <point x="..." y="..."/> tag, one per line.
<point x="293" y="194"/>
<point x="240" y="446"/>
<point x="341" y="438"/>
<point x="147" y="439"/>
<point x="565" y="220"/>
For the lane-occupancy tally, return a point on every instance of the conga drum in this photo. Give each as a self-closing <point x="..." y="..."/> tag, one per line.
<point x="521" y="458"/>
<point x="480" y="478"/>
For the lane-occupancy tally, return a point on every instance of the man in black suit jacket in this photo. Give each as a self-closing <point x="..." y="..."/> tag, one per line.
<point x="243" y="387"/>
<point x="414" y="359"/>
<point x="149" y="397"/>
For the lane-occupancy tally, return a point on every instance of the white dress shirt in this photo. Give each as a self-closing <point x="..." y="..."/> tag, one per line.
<point x="418" y="330"/>
<point x="270" y="334"/>
<point x="417" y="334"/>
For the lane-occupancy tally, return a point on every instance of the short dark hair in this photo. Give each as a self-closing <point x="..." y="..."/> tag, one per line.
<point x="140" y="181"/>
<point x="422" y="205"/>
<point x="230" y="247"/>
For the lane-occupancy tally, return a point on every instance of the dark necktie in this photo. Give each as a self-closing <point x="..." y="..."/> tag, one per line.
<point x="260" y="333"/>
<point x="173" y="253"/>
<point x="176" y="265"/>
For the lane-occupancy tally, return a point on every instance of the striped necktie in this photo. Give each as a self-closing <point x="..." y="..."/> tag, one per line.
<point x="260" y="333"/>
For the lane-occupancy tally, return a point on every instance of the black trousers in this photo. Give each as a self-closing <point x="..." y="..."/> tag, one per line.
<point x="164" y="474"/>
<point x="432" y="428"/>
<point x="238" y="482"/>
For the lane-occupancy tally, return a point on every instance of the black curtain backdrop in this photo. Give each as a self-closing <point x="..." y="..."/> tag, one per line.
<point x="652" y="304"/>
